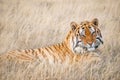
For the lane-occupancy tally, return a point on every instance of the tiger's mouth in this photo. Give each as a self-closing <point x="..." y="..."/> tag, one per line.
<point x="91" y="49"/>
<point x="81" y="49"/>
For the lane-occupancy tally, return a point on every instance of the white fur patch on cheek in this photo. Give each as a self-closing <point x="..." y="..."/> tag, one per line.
<point x="92" y="30"/>
<point x="73" y="42"/>
<point x="81" y="30"/>
<point x="97" y="42"/>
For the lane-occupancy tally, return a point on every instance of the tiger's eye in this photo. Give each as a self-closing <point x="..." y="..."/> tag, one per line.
<point x="89" y="27"/>
<point x="83" y="28"/>
<point x="93" y="33"/>
<point x="83" y="36"/>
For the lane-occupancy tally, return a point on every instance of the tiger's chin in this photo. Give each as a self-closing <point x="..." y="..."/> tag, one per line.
<point x="79" y="50"/>
<point x="91" y="49"/>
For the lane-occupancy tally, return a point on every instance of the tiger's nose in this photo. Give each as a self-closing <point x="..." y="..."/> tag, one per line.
<point x="90" y="43"/>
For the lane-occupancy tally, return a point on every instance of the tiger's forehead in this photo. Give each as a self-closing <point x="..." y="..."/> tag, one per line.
<point x="86" y="24"/>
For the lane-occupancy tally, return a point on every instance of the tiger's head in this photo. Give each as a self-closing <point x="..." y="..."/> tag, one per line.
<point x="85" y="35"/>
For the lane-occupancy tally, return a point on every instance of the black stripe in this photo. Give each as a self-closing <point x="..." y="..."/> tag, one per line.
<point x="99" y="40"/>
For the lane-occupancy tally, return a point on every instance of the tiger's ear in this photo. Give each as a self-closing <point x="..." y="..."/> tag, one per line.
<point x="73" y="26"/>
<point x="95" y="21"/>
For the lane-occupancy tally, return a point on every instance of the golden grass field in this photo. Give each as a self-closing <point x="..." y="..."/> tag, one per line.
<point x="26" y="24"/>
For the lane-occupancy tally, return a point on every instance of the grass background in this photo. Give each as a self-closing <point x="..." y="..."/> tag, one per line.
<point x="28" y="24"/>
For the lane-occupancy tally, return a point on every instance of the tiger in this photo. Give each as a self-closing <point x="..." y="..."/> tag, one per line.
<point x="80" y="40"/>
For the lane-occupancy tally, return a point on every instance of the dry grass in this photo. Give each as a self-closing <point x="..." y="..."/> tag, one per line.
<point x="36" y="23"/>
